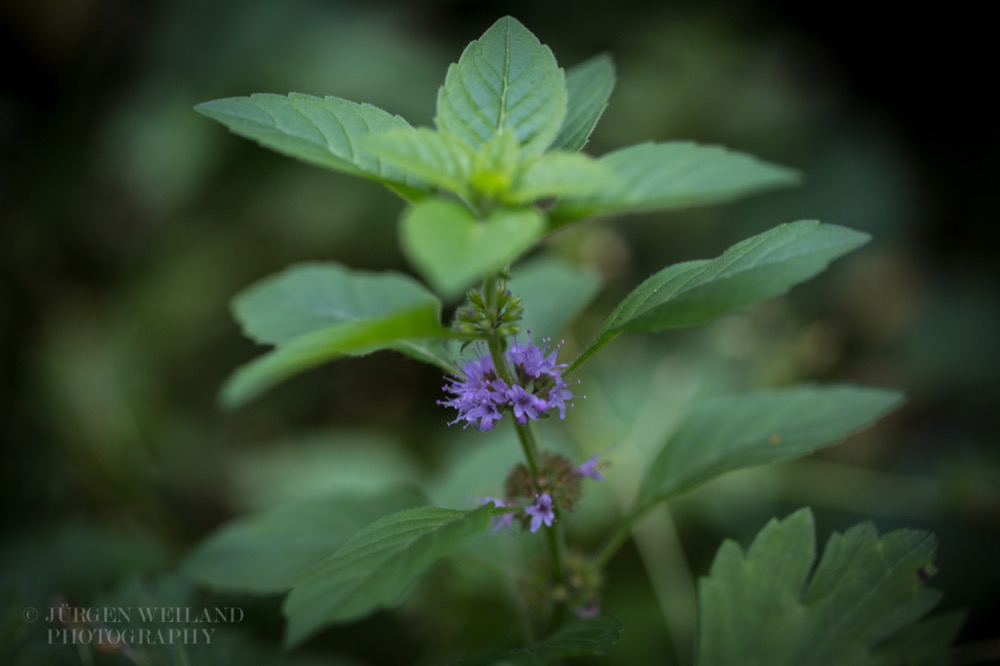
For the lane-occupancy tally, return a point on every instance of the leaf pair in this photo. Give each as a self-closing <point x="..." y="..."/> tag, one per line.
<point x="501" y="106"/>
<point x="317" y="312"/>
<point x="509" y="125"/>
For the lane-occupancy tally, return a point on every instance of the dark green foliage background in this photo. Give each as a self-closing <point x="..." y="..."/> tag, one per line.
<point x="128" y="222"/>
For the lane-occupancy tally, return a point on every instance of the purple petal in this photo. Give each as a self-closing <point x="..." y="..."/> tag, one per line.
<point x="589" y="469"/>
<point x="541" y="512"/>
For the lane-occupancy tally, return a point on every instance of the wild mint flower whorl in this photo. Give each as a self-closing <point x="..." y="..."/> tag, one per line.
<point x="482" y="395"/>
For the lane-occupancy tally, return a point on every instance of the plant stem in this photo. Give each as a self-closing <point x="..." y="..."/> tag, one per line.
<point x="528" y="446"/>
<point x="527" y="439"/>
<point x="553" y="535"/>
<point x="620" y="535"/>
<point x="555" y="545"/>
<point x="530" y="449"/>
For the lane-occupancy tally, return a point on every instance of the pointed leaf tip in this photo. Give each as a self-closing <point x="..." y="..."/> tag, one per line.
<point x="506" y="79"/>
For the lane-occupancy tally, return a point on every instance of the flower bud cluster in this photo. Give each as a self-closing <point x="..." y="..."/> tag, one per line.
<point x="481" y="317"/>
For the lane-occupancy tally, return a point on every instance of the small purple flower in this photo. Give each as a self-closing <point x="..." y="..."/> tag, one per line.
<point x="589" y="469"/>
<point x="541" y="512"/>
<point x="503" y="520"/>
<point x="531" y="363"/>
<point x="527" y="360"/>
<point x="526" y="405"/>
<point x="486" y="411"/>
<point x="586" y="612"/>
<point x="557" y="397"/>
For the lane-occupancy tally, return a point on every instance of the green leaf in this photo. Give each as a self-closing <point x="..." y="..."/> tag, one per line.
<point x="504" y="80"/>
<point x="401" y="331"/>
<point x="436" y="158"/>
<point x="265" y="552"/>
<point x="316" y="312"/>
<point x="559" y="174"/>
<point x="580" y="639"/>
<point x="727" y="433"/>
<point x="588" y="87"/>
<point x="377" y="566"/>
<point x="313" y="296"/>
<point x="553" y="292"/>
<point x="314" y="465"/>
<point x="324" y="131"/>
<point x="763" y="608"/>
<point x="696" y="292"/>
<point x="925" y="643"/>
<point x="453" y="249"/>
<point x="679" y="174"/>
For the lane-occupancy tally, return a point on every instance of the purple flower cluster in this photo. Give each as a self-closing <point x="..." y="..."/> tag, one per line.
<point x="557" y="486"/>
<point x="482" y="395"/>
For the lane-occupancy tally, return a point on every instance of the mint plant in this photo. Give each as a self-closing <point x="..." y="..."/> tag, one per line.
<point x="500" y="171"/>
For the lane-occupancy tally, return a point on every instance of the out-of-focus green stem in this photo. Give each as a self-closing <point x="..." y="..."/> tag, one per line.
<point x="555" y="545"/>
<point x="619" y="536"/>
